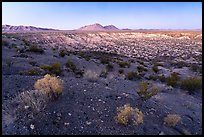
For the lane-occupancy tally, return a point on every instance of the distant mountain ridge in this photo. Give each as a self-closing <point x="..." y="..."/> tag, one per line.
<point x="98" y="27"/>
<point x="10" y="28"/>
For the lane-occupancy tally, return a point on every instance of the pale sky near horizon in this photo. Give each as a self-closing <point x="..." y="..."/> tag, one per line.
<point x="132" y="15"/>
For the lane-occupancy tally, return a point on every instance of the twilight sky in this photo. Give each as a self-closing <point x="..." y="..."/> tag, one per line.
<point x="133" y="15"/>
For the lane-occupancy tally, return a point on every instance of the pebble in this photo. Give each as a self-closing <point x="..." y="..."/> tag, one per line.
<point x="99" y="100"/>
<point x="161" y="133"/>
<point x="119" y="97"/>
<point x="66" y="123"/>
<point x="88" y="123"/>
<point x="69" y="114"/>
<point x="26" y="107"/>
<point x="32" y="126"/>
<point x="84" y="89"/>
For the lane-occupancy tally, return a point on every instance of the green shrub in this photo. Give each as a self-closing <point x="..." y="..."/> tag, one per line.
<point x="62" y="53"/>
<point x="152" y="77"/>
<point x="141" y="68"/>
<point x="9" y="62"/>
<point x="35" y="71"/>
<point x="191" y="84"/>
<point x="34" y="48"/>
<point x="144" y="92"/>
<point x="5" y="43"/>
<point x="121" y="71"/>
<point x="123" y="64"/>
<point x="173" y="79"/>
<point x="54" y="68"/>
<point x="162" y="78"/>
<point x="132" y="75"/>
<point x="109" y="67"/>
<point x="104" y="60"/>
<point x="33" y="63"/>
<point x="69" y="64"/>
<point x="196" y="68"/>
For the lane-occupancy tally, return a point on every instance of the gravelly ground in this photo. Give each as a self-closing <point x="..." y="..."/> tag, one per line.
<point x="90" y="107"/>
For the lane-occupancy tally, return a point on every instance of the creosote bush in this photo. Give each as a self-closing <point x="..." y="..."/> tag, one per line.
<point x="104" y="60"/>
<point x="62" y="53"/>
<point x="50" y="85"/>
<point x="191" y="84"/>
<point x="172" y="120"/>
<point x="132" y="75"/>
<point x="121" y="71"/>
<point x="173" y="79"/>
<point x="146" y="92"/>
<point x="127" y="114"/>
<point x="123" y="64"/>
<point x="109" y="67"/>
<point x="34" y="48"/>
<point x="54" y="68"/>
<point x="69" y="64"/>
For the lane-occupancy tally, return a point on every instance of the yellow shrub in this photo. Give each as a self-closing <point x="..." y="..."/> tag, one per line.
<point x="127" y="113"/>
<point x="50" y="85"/>
<point x="172" y="120"/>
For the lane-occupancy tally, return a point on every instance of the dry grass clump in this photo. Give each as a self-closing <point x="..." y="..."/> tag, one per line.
<point x="172" y="120"/>
<point x="146" y="92"/>
<point x="127" y="114"/>
<point x="27" y="104"/>
<point x="50" y="85"/>
<point x="92" y="76"/>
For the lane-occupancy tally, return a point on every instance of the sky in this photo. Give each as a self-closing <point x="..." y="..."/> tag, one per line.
<point x="132" y="15"/>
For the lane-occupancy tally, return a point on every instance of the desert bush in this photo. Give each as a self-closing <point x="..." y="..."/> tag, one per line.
<point x="33" y="63"/>
<point x="50" y="85"/>
<point x="173" y="79"/>
<point x="132" y="75"/>
<point x="191" y="84"/>
<point x="62" y="53"/>
<point x="109" y="67"/>
<point x="92" y="76"/>
<point x="123" y="64"/>
<point x="104" y="74"/>
<point x="162" y="78"/>
<point x="5" y="43"/>
<point x="26" y="104"/>
<point x="196" y="68"/>
<point x="121" y="71"/>
<point x="155" y="69"/>
<point x="152" y="77"/>
<point x="104" y="60"/>
<point x="127" y="114"/>
<point x="34" y="71"/>
<point x="69" y="64"/>
<point x="141" y="68"/>
<point x="146" y="92"/>
<point x="79" y="73"/>
<point x="9" y="62"/>
<point x="54" y="68"/>
<point x="34" y="48"/>
<point x="172" y="120"/>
